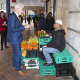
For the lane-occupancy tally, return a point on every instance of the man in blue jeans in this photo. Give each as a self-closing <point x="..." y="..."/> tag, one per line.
<point x="56" y="45"/>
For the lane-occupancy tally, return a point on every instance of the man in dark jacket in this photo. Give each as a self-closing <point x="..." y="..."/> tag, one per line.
<point x="49" y="23"/>
<point x="57" y="44"/>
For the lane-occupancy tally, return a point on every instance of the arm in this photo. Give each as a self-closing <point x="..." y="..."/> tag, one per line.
<point x="12" y="25"/>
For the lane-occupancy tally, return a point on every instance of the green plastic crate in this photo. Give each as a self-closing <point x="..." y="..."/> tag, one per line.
<point x="32" y="53"/>
<point x="47" y="70"/>
<point x="22" y="58"/>
<point x="63" y="57"/>
<point x="44" y="41"/>
<point x="33" y="58"/>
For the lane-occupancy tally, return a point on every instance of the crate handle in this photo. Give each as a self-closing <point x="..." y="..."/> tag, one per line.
<point x="64" y="61"/>
<point x="45" y="42"/>
<point x="48" y="72"/>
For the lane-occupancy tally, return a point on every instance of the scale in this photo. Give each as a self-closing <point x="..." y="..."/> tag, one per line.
<point x="31" y="64"/>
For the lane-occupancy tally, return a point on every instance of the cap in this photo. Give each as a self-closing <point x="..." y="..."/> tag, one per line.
<point x="59" y="22"/>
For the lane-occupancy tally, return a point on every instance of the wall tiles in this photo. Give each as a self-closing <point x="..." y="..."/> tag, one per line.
<point x="74" y="54"/>
<point x="76" y="42"/>
<point x="74" y="21"/>
<point x="73" y="39"/>
<point x="70" y="36"/>
<point x="74" y="5"/>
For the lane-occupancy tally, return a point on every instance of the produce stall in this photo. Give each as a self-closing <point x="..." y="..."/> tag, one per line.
<point x="32" y="56"/>
<point x="32" y="48"/>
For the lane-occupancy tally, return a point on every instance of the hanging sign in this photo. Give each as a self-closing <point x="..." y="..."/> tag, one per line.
<point x="13" y="0"/>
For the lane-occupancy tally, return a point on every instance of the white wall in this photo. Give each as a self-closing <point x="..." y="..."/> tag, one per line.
<point x="73" y="33"/>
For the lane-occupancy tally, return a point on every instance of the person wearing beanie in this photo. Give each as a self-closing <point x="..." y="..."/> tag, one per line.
<point x="57" y="44"/>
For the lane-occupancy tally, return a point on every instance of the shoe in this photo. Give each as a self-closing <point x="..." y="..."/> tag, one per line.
<point x="48" y="64"/>
<point x="20" y="73"/>
<point x="1" y="48"/>
<point x="6" y="47"/>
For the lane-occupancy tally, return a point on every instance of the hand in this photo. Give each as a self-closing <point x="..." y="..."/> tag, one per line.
<point x="3" y="24"/>
<point x="27" y="26"/>
<point x="45" y="46"/>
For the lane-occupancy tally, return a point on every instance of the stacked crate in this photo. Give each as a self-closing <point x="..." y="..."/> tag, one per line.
<point x="32" y="53"/>
<point x="43" y="41"/>
<point x="63" y="63"/>
<point x="31" y="60"/>
<point x="47" y="70"/>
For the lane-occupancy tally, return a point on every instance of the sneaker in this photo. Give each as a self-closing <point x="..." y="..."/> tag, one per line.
<point x="48" y="64"/>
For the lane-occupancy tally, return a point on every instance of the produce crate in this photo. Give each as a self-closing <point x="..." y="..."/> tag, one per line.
<point x="41" y="55"/>
<point x="22" y="58"/>
<point x="63" y="57"/>
<point x="44" y="41"/>
<point x="32" y="53"/>
<point x="63" y="65"/>
<point x="33" y="58"/>
<point x="63" y="72"/>
<point x="63" y="69"/>
<point x="47" y="70"/>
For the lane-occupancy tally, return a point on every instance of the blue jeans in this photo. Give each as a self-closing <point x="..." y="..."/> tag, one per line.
<point x="48" y="50"/>
<point x="16" y="56"/>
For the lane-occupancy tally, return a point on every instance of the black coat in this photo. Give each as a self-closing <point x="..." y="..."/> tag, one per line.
<point x="49" y="24"/>
<point x="58" y="40"/>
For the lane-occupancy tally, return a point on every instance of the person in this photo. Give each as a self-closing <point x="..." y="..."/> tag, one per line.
<point x="21" y="19"/>
<point x="15" y="36"/>
<point x="49" y="23"/>
<point x="35" y="21"/>
<point x="29" y="19"/>
<point x="42" y="22"/>
<point x="6" y="27"/>
<point x="56" y="45"/>
<point x="3" y="24"/>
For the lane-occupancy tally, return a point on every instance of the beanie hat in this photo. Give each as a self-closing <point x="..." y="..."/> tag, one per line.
<point x="59" y="22"/>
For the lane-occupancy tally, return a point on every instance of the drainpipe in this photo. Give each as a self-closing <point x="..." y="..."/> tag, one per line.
<point x="25" y="16"/>
<point x="54" y="7"/>
<point x="46" y="7"/>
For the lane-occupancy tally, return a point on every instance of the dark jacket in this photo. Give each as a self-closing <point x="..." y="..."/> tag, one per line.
<point x="58" y="40"/>
<point x="49" y="24"/>
<point x="35" y="19"/>
<point x="2" y="28"/>
<point x="42" y="23"/>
